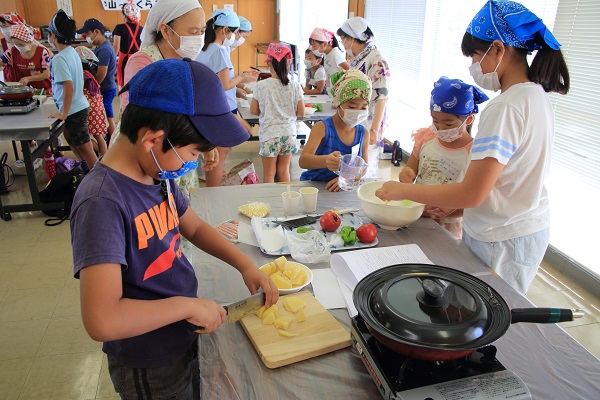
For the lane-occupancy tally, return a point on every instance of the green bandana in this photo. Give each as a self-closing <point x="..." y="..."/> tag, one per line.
<point x="348" y="85"/>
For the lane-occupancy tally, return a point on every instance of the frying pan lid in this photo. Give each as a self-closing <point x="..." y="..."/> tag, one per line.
<point x="431" y="306"/>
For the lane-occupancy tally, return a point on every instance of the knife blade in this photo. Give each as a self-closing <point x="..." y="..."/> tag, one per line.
<point x="239" y="309"/>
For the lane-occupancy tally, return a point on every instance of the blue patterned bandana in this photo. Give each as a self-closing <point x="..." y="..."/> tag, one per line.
<point x="512" y="24"/>
<point x="453" y="96"/>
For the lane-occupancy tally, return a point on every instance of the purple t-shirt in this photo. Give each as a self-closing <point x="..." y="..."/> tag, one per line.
<point x="117" y="220"/>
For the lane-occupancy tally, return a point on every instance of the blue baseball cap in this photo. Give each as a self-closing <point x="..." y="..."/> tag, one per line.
<point x="226" y="17"/>
<point x="245" y="25"/>
<point x="91" y="25"/>
<point x="190" y="88"/>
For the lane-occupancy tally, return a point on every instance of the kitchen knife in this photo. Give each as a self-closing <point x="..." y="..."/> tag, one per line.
<point x="239" y="309"/>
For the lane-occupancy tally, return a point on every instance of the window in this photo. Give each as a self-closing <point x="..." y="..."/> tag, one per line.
<point x="297" y="19"/>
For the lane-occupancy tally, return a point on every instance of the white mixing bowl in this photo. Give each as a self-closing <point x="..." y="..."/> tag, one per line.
<point x="394" y="214"/>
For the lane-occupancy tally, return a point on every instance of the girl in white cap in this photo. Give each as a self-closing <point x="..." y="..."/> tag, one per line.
<point x="220" y="35"/>
<point x="357" y="39"/>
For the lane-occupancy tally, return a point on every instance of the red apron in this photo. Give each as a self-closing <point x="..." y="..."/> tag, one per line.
<point x="23" y="67"/>
<point x="122" y="57"/>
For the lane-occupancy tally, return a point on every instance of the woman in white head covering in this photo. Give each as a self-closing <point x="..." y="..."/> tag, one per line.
<point x="174" y="29"/>
<point x="357" y="39"/>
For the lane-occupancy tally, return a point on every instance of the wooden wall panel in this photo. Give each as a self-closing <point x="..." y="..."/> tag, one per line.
<point x="38" y="12"/>
<point x="261" y="14"/>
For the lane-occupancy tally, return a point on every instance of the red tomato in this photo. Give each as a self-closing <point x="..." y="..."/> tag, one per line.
<point x="330" y="221"/>
<point x="307" y="105"/>
<point x="366" y="233"/>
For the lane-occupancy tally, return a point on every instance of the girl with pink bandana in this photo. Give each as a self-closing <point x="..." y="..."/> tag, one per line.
<point x="323" y="43"/>
<point x="278" y="102"/>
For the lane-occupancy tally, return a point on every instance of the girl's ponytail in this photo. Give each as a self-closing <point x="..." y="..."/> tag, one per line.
<point x="549" y="69"/>
<point x="334" y="42"/>
<point x="209" y="35"/>
<point x="281" y="69"/>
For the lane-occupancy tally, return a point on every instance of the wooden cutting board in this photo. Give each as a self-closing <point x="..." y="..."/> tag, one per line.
<point x="320" y="333"/>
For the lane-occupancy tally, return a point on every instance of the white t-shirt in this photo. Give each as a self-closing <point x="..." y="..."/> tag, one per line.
<point x="318" y="76"/>
<point x="516" y="128"/>
<point x="333" y="61"/>
<point x="278" y="104"/>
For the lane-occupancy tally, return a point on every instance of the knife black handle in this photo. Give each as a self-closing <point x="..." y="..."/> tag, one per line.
<point x="193" y="327"/>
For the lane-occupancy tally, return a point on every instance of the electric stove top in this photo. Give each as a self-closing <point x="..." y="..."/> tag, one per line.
<point x="17" y="106"/>
<point x="479" y="376"/>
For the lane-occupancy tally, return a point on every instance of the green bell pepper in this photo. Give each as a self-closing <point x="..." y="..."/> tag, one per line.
<point x="348" y="235"/>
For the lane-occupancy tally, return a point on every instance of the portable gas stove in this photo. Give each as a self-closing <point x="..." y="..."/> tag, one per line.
<point x="479" y="376"/>
<point x="17" y="106"/>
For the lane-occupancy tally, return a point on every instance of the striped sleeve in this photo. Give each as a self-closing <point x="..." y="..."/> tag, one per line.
<point x="494" y="147"/>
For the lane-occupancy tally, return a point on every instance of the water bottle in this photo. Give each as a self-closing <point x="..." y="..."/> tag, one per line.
<point x="396" y="153"/>
<point x="49" y="165"/>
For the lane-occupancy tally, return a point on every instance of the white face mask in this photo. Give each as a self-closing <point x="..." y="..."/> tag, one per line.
<point x="349" y="50"/>
<point x="89" y="39"/>
<point x="353" y="117"/>
<point x="308" y="64"/>
<point x="238" y="42"/>
<point x="317" y="53"/>
<point x="23" y="49"/>
<point x="448" y="135"/>
<point x="5" y="32"/>
<point x="189" y="46"/>
<point x="487" y="81"/>
<point x="228" y="42"/>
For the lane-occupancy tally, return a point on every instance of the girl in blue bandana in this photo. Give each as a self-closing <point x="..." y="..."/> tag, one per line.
<point x="441" y="151"/>
<point x="506" y="217"/>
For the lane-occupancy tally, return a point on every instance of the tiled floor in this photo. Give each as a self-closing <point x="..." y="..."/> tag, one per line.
<point x="45" y="352"/>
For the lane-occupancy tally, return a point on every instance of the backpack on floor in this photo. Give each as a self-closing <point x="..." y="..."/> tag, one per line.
<point x="61" y="188"/>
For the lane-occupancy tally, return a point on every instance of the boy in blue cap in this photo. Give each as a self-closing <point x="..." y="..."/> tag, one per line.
<point x="138" y="291"/>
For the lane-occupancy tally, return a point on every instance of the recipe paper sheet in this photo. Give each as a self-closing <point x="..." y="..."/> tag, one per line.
<point x="352" y="266"/>
<point x="326" y="289"/>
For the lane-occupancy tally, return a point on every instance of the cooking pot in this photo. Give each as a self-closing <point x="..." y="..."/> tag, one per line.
<point x="435" y="313"/>
<point x="15" y="92"/>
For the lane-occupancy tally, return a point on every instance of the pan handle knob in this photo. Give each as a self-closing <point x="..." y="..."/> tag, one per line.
<point x="544" y="315"/>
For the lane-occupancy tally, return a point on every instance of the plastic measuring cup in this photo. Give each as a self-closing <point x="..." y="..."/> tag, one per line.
<point x="351" y="169"/>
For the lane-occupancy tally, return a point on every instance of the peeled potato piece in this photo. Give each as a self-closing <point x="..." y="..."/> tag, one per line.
<point x="260" y="312"/>
<point x="269" y="319"/>
<point x="286" y="333"/>
<point x="282" y="323"/>
<point x="301" y="315"/>
<point x="293" y="304"/>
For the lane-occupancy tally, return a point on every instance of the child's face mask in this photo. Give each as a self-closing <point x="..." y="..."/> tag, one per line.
<point x="353" y="117"/>
<point x="188" y="166"/>
<point x="448" y="135"/>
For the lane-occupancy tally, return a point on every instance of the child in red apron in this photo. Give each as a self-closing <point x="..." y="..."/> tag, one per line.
<point x="28" y="60"/>
<point x="127" y="37"/>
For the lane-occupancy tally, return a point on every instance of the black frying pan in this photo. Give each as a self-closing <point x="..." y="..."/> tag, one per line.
<point x="431" y="312"/>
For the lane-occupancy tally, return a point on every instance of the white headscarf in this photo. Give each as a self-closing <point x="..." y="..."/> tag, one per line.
<point x="164" y="11"/>
<point x="355" y="27"/>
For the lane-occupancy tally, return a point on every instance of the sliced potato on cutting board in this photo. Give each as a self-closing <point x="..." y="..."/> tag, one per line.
<point x="320" y="333"/>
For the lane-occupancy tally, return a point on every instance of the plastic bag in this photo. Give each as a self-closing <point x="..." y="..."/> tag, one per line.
<point x="308" y="248"/>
